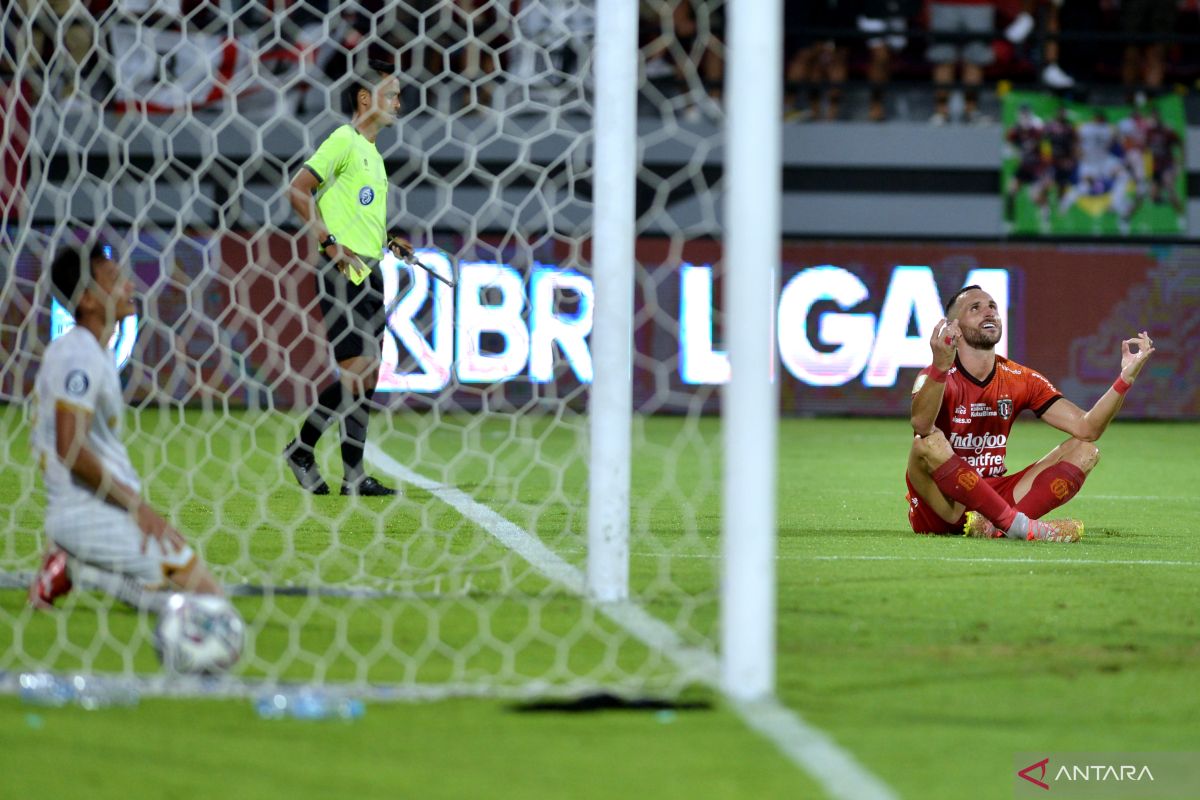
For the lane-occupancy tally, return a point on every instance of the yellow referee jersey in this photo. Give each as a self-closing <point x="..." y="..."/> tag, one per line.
<point x="352" y="193"/>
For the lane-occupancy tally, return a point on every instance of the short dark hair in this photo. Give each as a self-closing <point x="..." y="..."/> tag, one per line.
<point x="71" y="272"/>
<point x="959" y="294"/>
<point x="359" y="76"/>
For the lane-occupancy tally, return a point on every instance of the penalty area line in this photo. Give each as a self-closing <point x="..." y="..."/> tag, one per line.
<point x="809" y="748"/>
<point x="1158" y="498"/>
<point x="1058" y="562"/>
<point x="1116" y="562"/>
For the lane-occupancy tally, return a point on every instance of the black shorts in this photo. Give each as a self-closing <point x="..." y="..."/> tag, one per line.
<point x="1148" y="16"/>
<point x="1164" y="175"/>
<point x="353" y="313"/>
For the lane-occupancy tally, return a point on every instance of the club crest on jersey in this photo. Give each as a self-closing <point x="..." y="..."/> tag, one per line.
<point x="77" y="382"/>
<point x="366" y="195"/>
<point x="1004" y="406"/>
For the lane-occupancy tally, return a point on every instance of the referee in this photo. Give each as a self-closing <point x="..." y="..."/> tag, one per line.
<point x="341" y="195"/>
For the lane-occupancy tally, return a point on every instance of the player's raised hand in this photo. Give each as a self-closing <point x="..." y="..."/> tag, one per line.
<point x="401" y="248"/>
<point x="152" y="524"/>
<point x="1132" y="360"/>
<point x="944" y="343"/>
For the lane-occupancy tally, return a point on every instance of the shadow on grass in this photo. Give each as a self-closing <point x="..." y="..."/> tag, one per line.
<point x="605" y="701"/>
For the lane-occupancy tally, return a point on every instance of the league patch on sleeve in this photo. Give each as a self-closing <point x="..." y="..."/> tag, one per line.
<point x="77" y="383"/>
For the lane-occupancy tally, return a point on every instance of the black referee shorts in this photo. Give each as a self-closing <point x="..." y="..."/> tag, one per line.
<point x="353" y="313"/>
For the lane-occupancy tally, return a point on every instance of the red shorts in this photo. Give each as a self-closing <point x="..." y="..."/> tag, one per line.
<point x="924" y="519"/>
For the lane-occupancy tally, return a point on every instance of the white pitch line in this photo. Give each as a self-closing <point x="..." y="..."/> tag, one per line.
<point x="1156" y="497"/>
<point x="1148" y="562"/>
<point x="807" y="747"/>
<point x="1161" y="498"/>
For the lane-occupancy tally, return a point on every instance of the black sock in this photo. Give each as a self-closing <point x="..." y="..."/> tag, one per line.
<point x="329" y="405"/>
<point x="354" y="437"/>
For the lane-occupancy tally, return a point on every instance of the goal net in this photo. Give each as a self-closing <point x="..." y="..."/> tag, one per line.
<point x="174" y="127"/>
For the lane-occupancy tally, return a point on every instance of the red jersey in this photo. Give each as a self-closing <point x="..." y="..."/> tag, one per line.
<point x="976" y="416"/>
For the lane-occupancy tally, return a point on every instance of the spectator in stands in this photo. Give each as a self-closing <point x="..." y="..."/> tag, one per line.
<point x="700" y="27"/>
<point x="887" y="22"/>
<point x="305" y="13"/>
<point x="452" y="49"/>
<point x="655" y="38"/>
<point x="347" y="31"/>
<point x="684" y="40"/>
<point x="10" y="32"/>
<point x="817" y="59"/>
<point x="482" y="32"/>
<point x="1143" y="62"/>
<point x="960" y="17"/>
<point x="288" y="37"/>
<point x="1023" y="24"/>
<point x="55" y="70"/>
<point x="552" y="43"/>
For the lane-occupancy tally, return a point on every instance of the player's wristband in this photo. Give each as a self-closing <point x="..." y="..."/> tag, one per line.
<point x="329" y="242"/>
<point x="1120" y="385"/>
<point x="937" y="375"/>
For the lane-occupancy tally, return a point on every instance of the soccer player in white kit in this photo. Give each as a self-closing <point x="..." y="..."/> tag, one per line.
<point x="99" y="527"/>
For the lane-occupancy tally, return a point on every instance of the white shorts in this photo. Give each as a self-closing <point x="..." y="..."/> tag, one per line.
<point x="949" y="18"/>
<point x="108" y="538"/>
<point x="891" y="30"/>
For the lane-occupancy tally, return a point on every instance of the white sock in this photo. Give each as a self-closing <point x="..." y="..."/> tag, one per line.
<point x="1019" y="528"/>
<point x="123" y="587"/>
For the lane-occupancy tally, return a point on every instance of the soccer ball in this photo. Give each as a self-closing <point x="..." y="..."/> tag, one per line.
<point x="199" y="634"/>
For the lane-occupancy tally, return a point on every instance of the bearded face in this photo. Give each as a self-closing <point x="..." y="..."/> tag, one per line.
<point x="985" y="336"/>
<point x="979" y="320"/>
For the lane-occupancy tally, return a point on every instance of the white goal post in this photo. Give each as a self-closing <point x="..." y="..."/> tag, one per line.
<point x="750" y="413"/>
<point x="610" y="402"/>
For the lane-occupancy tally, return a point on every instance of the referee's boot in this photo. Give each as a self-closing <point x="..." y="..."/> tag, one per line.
<point x="304" y="467"/>
<point x="367" y="487"/>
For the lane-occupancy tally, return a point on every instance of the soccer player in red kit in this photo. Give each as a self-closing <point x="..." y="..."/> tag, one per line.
<point x="963" y="407"/>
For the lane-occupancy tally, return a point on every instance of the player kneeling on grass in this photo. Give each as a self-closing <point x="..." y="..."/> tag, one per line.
<point x="101" y="532"/>
<point x="963" y="407"/>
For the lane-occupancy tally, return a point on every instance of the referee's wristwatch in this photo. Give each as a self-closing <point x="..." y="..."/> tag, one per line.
<point x="328" y="242"/>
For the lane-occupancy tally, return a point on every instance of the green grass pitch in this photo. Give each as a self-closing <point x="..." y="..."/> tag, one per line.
<point x="931" y="660"/>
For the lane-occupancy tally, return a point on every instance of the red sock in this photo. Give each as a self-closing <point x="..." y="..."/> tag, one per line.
<point x="958" y="480"/>
<point x="1053" y="487"/>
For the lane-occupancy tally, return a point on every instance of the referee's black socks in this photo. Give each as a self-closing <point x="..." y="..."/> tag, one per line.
<point x="354" y="437"/>
<point x="329" y="406"/>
